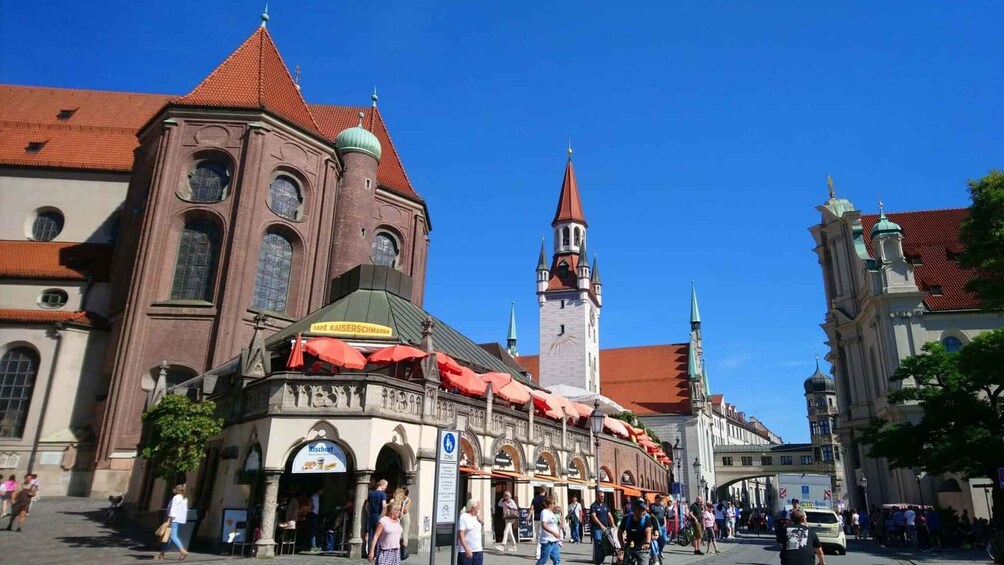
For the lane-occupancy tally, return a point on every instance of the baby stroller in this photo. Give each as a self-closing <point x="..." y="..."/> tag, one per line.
<point x="611" y="546"/>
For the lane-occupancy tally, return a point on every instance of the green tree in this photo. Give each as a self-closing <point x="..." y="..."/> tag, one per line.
<point x="982" y="234"/>
<point x="629" y="417"/>
<point x="961" y="429"/>
<point x="177" y="432"/>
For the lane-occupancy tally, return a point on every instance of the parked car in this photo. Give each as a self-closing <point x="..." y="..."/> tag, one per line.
<point x="826" y="524"/>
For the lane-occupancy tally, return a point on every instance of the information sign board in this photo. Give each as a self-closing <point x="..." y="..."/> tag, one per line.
<point x="448" y="451"/>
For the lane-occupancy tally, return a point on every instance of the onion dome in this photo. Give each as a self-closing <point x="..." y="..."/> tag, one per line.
<point x="885" y="225"/>
<point x="358" y="140"/>
<point x="819" y="382"/>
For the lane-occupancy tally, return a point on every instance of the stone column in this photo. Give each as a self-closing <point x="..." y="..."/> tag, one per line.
<point x="266" y="545"/>
<point x="356" y="549"/>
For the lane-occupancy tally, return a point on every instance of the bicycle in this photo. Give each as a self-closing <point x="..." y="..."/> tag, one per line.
<point x="685" y="536"/>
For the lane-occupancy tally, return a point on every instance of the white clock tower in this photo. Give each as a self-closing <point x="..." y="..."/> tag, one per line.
<point x="570" y="296"/>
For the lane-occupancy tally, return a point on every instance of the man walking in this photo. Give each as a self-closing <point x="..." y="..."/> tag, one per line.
<point x="575" y="519"/>
<point x="537" y="505"/>
<point x="658" y="511"/>
<point x="799" y="544"/>
<point x="697" y="522"/>
<point x="600" y="519"/>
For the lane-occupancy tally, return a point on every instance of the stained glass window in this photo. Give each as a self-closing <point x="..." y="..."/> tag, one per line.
<point x="208" y="181"/>
<point x="47" y="226"/>
<point x="383" y="250"/>
<point x="195" y="267"/>
<point x="952" y="344"/>
<point x="271" y="285"/>
<point x="18" y="368"/>
<point x="284" y="197"/>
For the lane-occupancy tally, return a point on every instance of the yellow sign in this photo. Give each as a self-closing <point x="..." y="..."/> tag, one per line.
<point x="351" y="328"/>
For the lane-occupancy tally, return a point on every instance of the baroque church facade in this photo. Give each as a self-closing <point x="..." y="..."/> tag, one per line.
<point x="892" y="284"/>
<point x="146" y="237"/>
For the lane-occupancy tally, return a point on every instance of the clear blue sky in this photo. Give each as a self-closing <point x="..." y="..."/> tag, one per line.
<point x="703" y="134"/>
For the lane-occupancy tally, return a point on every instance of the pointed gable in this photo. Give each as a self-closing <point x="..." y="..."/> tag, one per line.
<point x="254" y="77"/>
<point x="569" y="203"/>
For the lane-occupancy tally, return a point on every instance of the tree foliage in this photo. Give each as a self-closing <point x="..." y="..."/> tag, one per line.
<point x="982" y="234"/>
<point x="178" y="430"/>
<point x="962" y="424"/>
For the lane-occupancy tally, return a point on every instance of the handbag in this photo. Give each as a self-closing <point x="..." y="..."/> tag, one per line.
<point x="405" y="553"/>
<point x="509" y="513"/>
<point x="163" y="531"/>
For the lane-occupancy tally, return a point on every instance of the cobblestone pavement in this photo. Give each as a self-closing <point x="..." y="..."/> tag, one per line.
<point x="71" y="530"/>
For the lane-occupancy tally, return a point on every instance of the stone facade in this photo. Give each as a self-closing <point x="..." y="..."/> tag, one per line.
<point x="887" y="295"/>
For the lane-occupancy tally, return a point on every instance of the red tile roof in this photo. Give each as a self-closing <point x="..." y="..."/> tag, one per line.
<point x="570" y="280"/>
<point x="254" y="76"/>
<point x="100" y="134"/>
<point x="649" y="379"/>
<point x="79" y="318"/>
<point x="54" y="260"/>
<point x="569" y="202"/>
<point x="390" y="172"/>
<point x="934" y="236"/>
<point x="717" y="398"/>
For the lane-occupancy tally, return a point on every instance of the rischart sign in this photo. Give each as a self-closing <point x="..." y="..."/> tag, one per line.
<point x="322" y="456"/>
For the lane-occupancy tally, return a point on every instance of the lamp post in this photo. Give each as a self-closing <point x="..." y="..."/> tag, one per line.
<point x="697" y="472"/>
<point x="678" y="458"/>
<point x="596" y="423"/>
<point x="704" y="489"/>
<point x="864" y="489"/>
<point x="918" y="474"/>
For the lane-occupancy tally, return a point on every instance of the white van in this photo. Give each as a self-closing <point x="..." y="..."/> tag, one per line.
<point x="826" y="524"/>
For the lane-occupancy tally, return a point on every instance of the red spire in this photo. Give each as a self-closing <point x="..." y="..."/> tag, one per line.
<point x="569" y="203"/>
<point x="254" y="76"/>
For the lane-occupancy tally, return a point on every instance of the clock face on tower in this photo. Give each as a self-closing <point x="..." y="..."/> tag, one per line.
<point x="562" y="342"/>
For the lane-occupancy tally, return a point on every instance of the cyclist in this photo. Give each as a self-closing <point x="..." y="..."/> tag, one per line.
<point x="636" y="534"/>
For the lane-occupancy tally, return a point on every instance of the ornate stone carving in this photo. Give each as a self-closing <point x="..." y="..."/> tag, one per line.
<point x="256" y="400"/>
<point x="323" y="395"/>
<point x="402" y="402"/>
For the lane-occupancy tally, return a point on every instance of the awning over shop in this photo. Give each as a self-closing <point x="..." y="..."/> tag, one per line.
<point x="509" y="475"/>
<point x="473" y="471"/>
<point x="629" y="491"/>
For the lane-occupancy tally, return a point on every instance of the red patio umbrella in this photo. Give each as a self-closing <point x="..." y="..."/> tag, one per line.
<point x="396" y="354"/>
<point x="515" y="392"/>
<point x="295" y="360"/>
<point x="616" y="427"/>
<point x="467" y="382"/>
<point x="547" y="404"/>
<point x="336" y="352"/>
<point x="584" y="411"/>
<point x="497" y="380"/>
<point x="447" y="364"/>
<point x="568" y="405"/>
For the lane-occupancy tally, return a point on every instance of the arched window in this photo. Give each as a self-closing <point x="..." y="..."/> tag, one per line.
<point x="564" y="236"/>
<point x="47" y="226"/>
<point x="18" y="368"/>
<point x="952" y="344"/>
<point x="284" y="197"/>
<point x="578" y="236"/>
<point x="384" y="249"/>
<point x="195" y="266"/>
<point x="53" y="298"/>
<point x="208" y="181"/>
<point x="271" y="284"/>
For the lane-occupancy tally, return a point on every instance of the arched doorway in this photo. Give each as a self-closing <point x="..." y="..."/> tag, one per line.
<point x="389" y="467"/>
<point x="323" y="467"/>
<point x="507" y="465"/>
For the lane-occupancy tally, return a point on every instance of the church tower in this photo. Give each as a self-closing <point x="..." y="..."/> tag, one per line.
<point x="569" y="296"/>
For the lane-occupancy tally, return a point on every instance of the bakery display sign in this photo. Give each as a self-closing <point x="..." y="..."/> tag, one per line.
<point x="322" y="456"/>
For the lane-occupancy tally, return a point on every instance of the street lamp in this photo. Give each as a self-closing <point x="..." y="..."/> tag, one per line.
<point x="596" y="420"/>
<point x="697" y="471"/>
<point x="919" y="475"/>
<point x="704" y="488"/>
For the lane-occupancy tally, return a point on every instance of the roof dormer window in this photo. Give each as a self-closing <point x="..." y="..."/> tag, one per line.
<point x="34" y="147"/>
<point x="65" y="114"/>
<point x="915" y="259"/>
<point x="935" y="290"/>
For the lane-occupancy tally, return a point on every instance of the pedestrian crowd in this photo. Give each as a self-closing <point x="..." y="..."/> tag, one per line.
<point x="19" y="497"/>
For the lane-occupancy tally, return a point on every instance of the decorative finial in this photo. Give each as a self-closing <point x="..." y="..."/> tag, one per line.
<point x="881" y="208"/>
<point x="569" y="148"/>
<point x="264" y="16"/>
<point x="361" y="116"/>
<point x="374" y="97"/>
<point x="296" y="76"/>
<point x="817" y="360"/>
<point x="829" y="185"/>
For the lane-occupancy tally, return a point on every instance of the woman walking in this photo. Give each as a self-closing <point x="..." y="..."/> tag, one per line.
<point x="710" y="525"/>
<point x="385" y="545"/>
<point x="7" y="489"/>
<point x="550" y="534"/>
<point x="177" y="514"/>
<point x="510" y="514"/>
<point x="405" y="517"/>
<point x="469" y="535"/>
<point x="22" y="501"/>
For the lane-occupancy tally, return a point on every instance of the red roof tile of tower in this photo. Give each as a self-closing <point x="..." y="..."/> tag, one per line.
<point x="54" y="260"/>
<point x="569" y="202"/>
<point x="650" y="379"/>
<point x="933" y="237"/>
<point x="390" y="172"/>
<point x="253" y="76"/>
